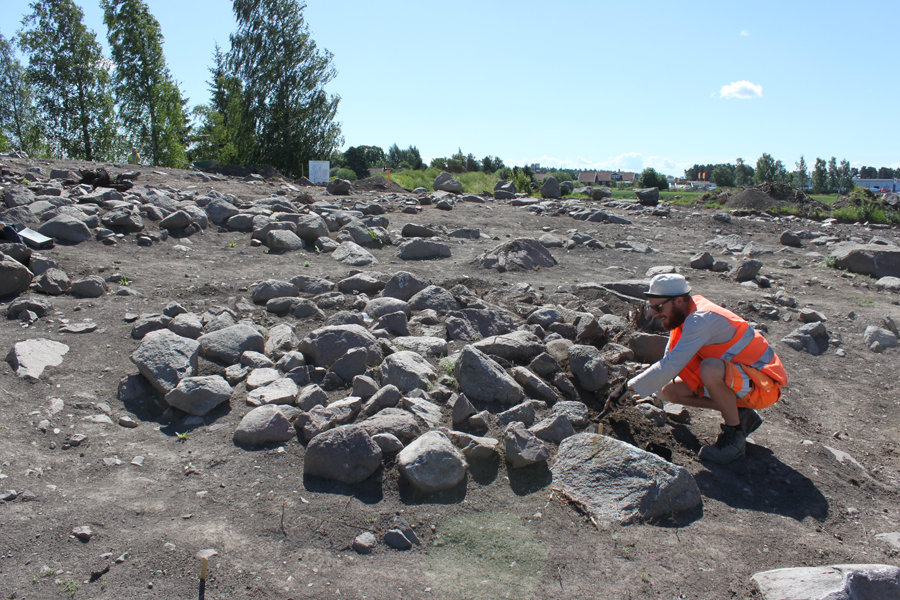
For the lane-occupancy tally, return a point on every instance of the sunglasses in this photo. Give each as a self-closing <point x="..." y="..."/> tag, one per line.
<point x="659" y="307"/>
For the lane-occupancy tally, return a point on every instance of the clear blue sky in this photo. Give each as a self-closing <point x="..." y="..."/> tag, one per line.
<point x="586" y="84"/>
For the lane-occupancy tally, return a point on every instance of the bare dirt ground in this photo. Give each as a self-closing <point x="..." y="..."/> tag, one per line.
<point x="819" y="482"/>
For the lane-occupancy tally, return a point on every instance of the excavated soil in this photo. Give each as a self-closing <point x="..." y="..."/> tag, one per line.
<point x="818" y="484"/>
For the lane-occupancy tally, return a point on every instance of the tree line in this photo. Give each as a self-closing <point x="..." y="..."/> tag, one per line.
<point x="268" y="100"/>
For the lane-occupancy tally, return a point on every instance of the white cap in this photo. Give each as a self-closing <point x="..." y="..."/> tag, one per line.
<point x="668" y="285"/>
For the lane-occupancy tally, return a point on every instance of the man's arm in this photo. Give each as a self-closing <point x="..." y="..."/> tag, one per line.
<point x="701" y="328"/>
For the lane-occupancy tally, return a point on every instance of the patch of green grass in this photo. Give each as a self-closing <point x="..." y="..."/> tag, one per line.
<point x="447" y="365"/>
<point x="69" y="586"/>
<point x="182" y="437"/>
<point x="47" y="572"/>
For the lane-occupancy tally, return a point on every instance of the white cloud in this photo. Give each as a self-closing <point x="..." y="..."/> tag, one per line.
<point x="741" y="89"/>
<point x="745" y="33"/>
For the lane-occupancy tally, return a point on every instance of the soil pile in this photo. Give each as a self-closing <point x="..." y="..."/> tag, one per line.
<point x="772" y="195"/>
<point x="378" y="184"/>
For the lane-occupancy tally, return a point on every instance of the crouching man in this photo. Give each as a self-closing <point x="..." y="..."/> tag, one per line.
<point x="714" y="360"/>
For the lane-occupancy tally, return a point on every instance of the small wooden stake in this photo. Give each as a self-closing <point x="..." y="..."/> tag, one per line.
<point x="203" y="569"/>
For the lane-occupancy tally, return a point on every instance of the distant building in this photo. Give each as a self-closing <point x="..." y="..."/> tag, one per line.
<point x="877" y="184"/>
<point x="607" y="178"/>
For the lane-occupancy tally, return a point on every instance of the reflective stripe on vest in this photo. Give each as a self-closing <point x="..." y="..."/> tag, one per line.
<point x="746" y="347"/>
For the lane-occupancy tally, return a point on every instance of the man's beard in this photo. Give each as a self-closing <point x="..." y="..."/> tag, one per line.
<point x="675" y="321"/>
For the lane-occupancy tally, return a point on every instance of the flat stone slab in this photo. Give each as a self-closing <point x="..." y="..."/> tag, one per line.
<point x="835" y="582"/>
<point x="617" y="482"/>
<point x="31" y="357"/>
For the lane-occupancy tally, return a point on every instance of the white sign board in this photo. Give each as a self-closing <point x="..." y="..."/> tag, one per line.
<point x="318" y="171"/>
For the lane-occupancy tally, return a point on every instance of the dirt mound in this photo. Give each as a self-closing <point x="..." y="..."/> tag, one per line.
<point x="771" y="195"/>
<point x="266" y="171"/>
<point x="377" y="184"/>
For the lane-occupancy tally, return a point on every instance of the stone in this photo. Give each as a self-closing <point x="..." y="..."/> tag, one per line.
<point x="364" y="386"/>
<point x="66" y="228"/>
<point x="534" y="386"/>
<point x="387" y="442"/>
<point x="280" y="340"/>
<point x="14" y="277"/>
<point x="304" y="309"/>
<point x="360" y="283"/>
<point x="229" y="343"/>
<point x="808" y="315"/>
<point x="364" y="543"/>
<point x="589" y="367"/>
<point x="281" y="391"/>
<point x="83" y="533"/>
<point x="482" y="379"/>
<point x="52" y="281"/>
<point x="164" y="358"/>
<point x="311" y="227"/>
<point x="746" y="270"/>
<point x="447" y="183"/>
<point x="177" y="220"/>
<point x="309" y="284"/>
<point x="385" y="305"/>
<point x="576" y="412"/>
<point x="550" y="188"/>
<point x="322" y="347"/>
<point x="290" y="361"/>
<point x="515" y="346"/>
<point x="425" y="345"/>
<point x="522" y="447"/>
<point x="521" y="254"/>
<point x="789" y="238"/>
<point x="338" y="187"/>
<point x="261" y="377"/>
<point x="92" y="286"/>
<point x="398" y="422"/>
<point x="18" y="195"/>
<point x="811" y="338"/>
<point x="220" y="211"/>
<point x="147" y="324"/>
<point x="460" y="409"/>
<point x="702" y="260"/>
<point x="39" y="306"/>
<point x="832" y="582"/>
<point x="431" y="463"/>
<point x="422" y="249"/>
<point x="473" y="447"/>
<point x="264" y="291"/>
<point x="473" y="324"/>
<point x="311" y="396"/>
<point x="29" y="358"/>
<point x="347" y="454"/>
<point x="411" y="230"/>
<point x="878" y="339"/>
<point x="407" y="371"/>
<point x="351" y="364"/>
<point x="619" y="483"/>
<point x="433" y="298"/>
<point x="554" y="428"/>
<point x="429" y="412"/>
<point x="395" y="323"/>
<point x="264" y="425"/>
<point x="199" y="395"/>
<point x="403" y="286"/>
<point x="647" y="196"/>
<point x="284" y="240"/>
<point x="353" y="254"/>
<point x="888" y="283"/>
<point x="867" y="259"/>
<point x="648" y="347"/>
<point x="187" y="325"/>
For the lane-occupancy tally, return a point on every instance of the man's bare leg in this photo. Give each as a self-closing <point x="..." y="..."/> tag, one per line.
<point x="721" y="397"/>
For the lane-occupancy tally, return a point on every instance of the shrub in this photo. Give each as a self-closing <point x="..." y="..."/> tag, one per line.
<point x="343" y="173"/>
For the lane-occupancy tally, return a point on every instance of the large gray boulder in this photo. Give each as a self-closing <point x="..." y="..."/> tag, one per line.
<point x="338" y="187"/>
<point x="521" y="254"/>
<point x="310" y="284"/>
<point x="264" y="425"/>
<point x="199" y="395"/>
<point x="66" y="228"/>
<point x="421" y="249"/>
<point x="264" y="291"/>
<point x="347" y="454"/>
<point x="589" y="367"/>
<point x="385" y="305"/>
<point x="435" y="298"/>
<point x="833" y="582"/>
<point x="403" y="285"/>
<point x="92" y="286"/>
<point x="311" y="227"/>
<point x="164" y="358"/>
<point x="284" y="241"/>
<point x="515" y="346"/>
<point x="550" y="188"/>
<point x="280" y="340"/>
<point x="876" y="260"/>
<point x="229" y="343"/>
<point x="14" y="277"/>
<point x="746" y="270"/>
<point x="619" y="483"/>
<point x="29" y="358"/>
<point x="647" y="196"/>
<point x="811" y="338"/>
<point x="432" y="463"/>
<point x="354" y="255"/>
<point x="324" y="346"/>
<point x="400" y="423"/>
<point x="480" y="378"/>
<point x="445" y="182"/>
<point x="523" y="447"/>
<point x="280" y="391"/>
<point x="220" y="210"/>
<point x="18" y="195"/>
<point x="52" y="281"/>
<point x="879" y="339"/>
<point x="472" y="324"/>
<point x="407" y="371"/>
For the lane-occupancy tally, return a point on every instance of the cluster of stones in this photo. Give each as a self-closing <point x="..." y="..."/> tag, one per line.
<point x="430" y="373"/>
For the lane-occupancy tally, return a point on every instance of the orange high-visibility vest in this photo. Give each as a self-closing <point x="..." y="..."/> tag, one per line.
<point x="748" y="347"/>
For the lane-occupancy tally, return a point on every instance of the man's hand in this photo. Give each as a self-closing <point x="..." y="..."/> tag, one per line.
<point x="620" y="395"/>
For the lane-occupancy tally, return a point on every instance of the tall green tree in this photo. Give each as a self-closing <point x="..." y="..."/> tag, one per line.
<point x="222" y="133"/>
<point x="19" y="123"/>
<point x="766" y="169"/>
<point x="743" y="173"/>
<point x="71" y="80"/>
<point x="833" y="176"/>
<point x="150" y="103"/>
<point x="284" y="74"/>
<point x="820" y="177"/>
<point x="649" y="177"/>
<point x="801" y="175"/>
<point x="722" y="176"/>
<point x="845" y="177"/>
